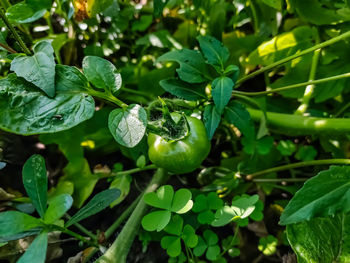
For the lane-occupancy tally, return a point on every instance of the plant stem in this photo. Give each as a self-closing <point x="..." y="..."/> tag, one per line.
<point x="131" y="171"/>
<point x="293" y="86"/>
<point x="290" y="124"/>
<point x="298" y="165"/>
<point x="344" y="108"/>
<point x="309" y="88"/>
<point x="114" y="227"/>
<point x="73" y="234"/>
<point x="279" y="180"/>
<point x="14" y="32"/>
<point x="138" y="92"/>
<point x="108" y="97"/>
<point x="83" y="229"/>
<point x="9" y="49"/>
<point x="304" y="52"/>
<point x="119" y="250"/>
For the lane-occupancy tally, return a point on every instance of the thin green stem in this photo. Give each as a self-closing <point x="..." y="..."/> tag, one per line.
<point x="73" y="234"/>
<point x="294" y="86"/>
<point x="309" y="88"/>
<point x="131" y="171"/>
<point x="108" y="97"/>
<point x="302" y="53"/>
<point x="119" y="250"/>
<point x="138" y="92"/>
<point x="14" y="32"/>
<point x="298" y="165"/>
<point x="232" y="241"/>
<point x="83" y="229"/>
<point x="279" y="180"/>
<point x="344" y="108"/>
<point x="295" y="125"/>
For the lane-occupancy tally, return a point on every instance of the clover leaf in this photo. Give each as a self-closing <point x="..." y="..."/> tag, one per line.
<point x="204" y="204"/>
<point x="207" y="244"/>
<point x="165" y="199"/>
<point x="267" y="245"/>
<point x="172" y="242"/>
<point x="242" y="207"/>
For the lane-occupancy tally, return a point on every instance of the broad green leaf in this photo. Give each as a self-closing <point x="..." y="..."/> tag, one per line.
<point x="24" y="12"/>
<point x="128" y="126"/>
<point x="286" y="147"/>
<point x="323" y="195"/>
<point x="123" y="184"/>
<point x="102" y="74"/>
<point x="182" y="89"/>
<point x="211" y="119"/>
<point x="221" y="90"/>
<point x="182" y="202"/>
<point x="306" y="153"/>
<point x="321" y="240"/>
<point x="213" y="252"/>
<point x="35" y="182"/>
<point x="157" y="220"/>
<point x="277" y="4"/>
<point x="97" y="6"/>
<point x="58" y="206"/>
<point x="313" y="11"/>
<point x="189" y="236"/>
<point x="36" y="251"/>
<point x="99" y="202"/>
<point x="26" y="110"/>
<point x="38" y="69"/>
<point x="158" y="6"/>
<point x="163" y="198"/>
<point x="193" y="68"/>
<point x="14" y="222"/>
<point x="236" y="114"/>
<point x="214" y="51"/>
<point x="142" y="24"/>
<point x="175" y="226"/>
<point x="200" y="248"/>
<point x="32" y="232"/>
<point x="70" y="79"/>
<point x="172" y="244"/>
<point x="210" y="237"/>
<point x="282" y="46"/>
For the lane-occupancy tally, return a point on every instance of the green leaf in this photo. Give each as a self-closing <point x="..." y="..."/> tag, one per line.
<point x="157" y="220"/>
<point x="172" y="244"/>
<point x="286" y="147"/>
<point x="182" y="89"/>
<point x="58" y="206"/>
<point x="323" y="195"/>
<point x="221" y="90"/>
<point x="321" y="240"/>
<point x="189" y="236"/>
<point x="142" y="24"/>
<point x="282" y="46"/>
<point x="70" y="79"/>
<point x="182" y="202"/>
<point x="14" y="222"/>
<point x="99" y="202"/>
<point x="200" y="248"/>
<point x="123" y="184"/>
<point x="214" y="51"/>
<point x="306" y="153"/>
<point x="210" y="237"/>
<point x="213" y="252"/>
<point x="206" y="217"/>
<point x="102" y="74"/>
<point x="97" y="6"/>
<point x="277" y="4"/>
<point x="24" y="13"/>
<point x="315" y="12"/>
<point x="128" y="126"/>
<point x="236" y="114"/>
<point x="211" y="119"/>
<point x="36" y="251"/>
<point x="175" y="226"/>
<point x="158" y="6"/>
<point x="35" y="182"/>
<point x="193" y="68"/>
<point x="267" y="245"/>
<point x="163" y="198"/>
<point x="25" y="110"/>
<point x="38" y="69"/>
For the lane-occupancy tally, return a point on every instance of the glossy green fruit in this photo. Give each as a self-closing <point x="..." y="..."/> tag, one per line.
<point x="182" y="156"/>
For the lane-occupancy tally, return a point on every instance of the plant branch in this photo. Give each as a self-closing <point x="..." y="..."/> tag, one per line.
<point x="14" y="32"/>
<point x="9" y="49"/>
<point x="83" y="229"/>
<point x="131" y="171"/>
<point x="119" y="250"/>
<point x="293" y="86"/>
<point x="298" y="165"/>
<point x="302" y="53"/>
